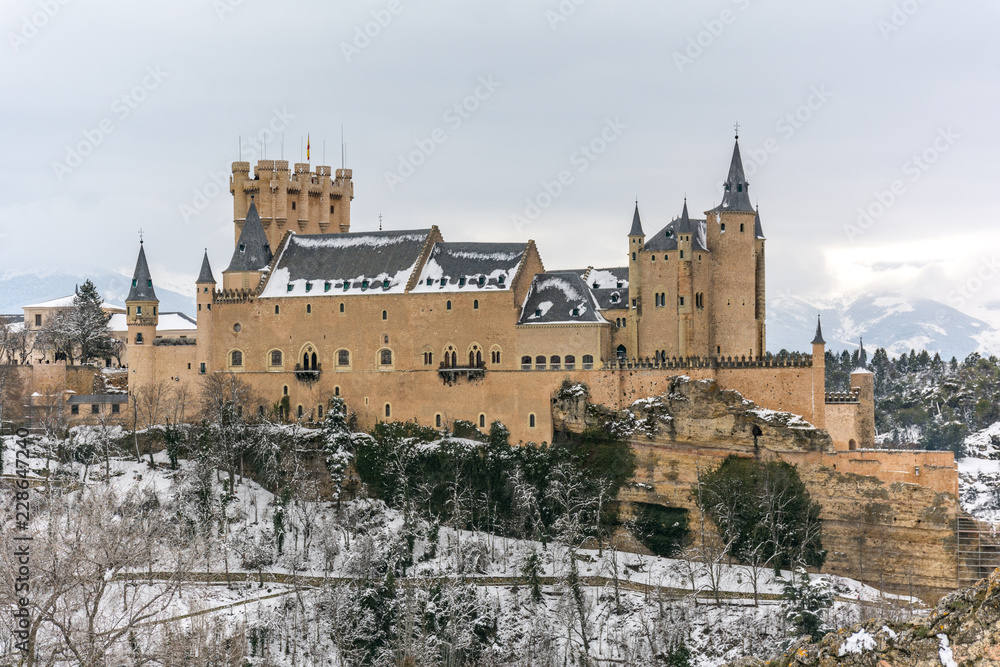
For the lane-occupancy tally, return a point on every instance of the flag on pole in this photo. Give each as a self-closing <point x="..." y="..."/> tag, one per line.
<point x="307" y="147"/>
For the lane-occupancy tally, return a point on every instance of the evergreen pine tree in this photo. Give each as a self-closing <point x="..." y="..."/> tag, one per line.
<point x="88" y="324"/>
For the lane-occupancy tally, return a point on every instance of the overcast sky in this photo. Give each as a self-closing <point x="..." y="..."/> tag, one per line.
<point x="116" y="115"/>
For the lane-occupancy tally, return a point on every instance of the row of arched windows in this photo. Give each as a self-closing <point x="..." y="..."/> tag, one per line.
<point x="555" y="362"/>
<point x="309" y="361"/>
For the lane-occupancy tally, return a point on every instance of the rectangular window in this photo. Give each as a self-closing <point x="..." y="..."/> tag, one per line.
<point x="95" y="409"/>
<point x="115" y="408"/>
<point x="74" y="409"/>
<point x="38" y="319"/>
<point x="201" y="369"/>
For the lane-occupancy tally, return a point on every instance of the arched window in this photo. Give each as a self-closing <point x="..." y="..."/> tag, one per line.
<point x="588" y="362"/>
<point x="570" y="361"/>
<point x="448" y="305"/>
<point x="343" y="358"/>
<point x="454" y="359"/>
<point x="428" y="358"/>
<point x="300" y="412"/>
<point x="482" y="421"/>
<point x="313" y="364"/>
<point x="341" y="307"/>
<point x="236" y="358"/>
<point x="531" y="421"/>
<point x="388" y="411"/>
<point x="309" y="307"/>
<point x="622" y="352"/>
<point x="475" y="304"/>
<point x="540" y="363"/>
<point x="525" y="363"/>
<point x="437" y="421"/>
<point x="385" y="359"/>
<point x="336" y="391"/>
<point x="554" y="362"/>
<point x="385" y="315"/>
<point x="319" y="411"/>
<point x="138" y="338"/>
<point x="277" y="310"/>
<point x="495" y="355"/>
<point x="275" y="357"/>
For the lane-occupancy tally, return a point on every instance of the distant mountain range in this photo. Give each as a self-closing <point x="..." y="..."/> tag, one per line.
<point x="885" y="320"/>
<point x="24" y="289"/>
<point x="890" y="321"/>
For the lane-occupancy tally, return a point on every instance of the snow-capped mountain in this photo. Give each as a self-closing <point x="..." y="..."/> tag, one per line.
<point x="890" y="321"/>
<point x="24" y="289"/>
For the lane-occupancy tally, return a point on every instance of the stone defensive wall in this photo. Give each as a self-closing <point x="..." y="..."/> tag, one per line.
<point x="56" y="377"/>
<point x="889" y="517"/>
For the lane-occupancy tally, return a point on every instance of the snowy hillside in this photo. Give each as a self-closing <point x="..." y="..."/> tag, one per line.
<point x="979" y="474"/>
<point x="885" y="320"/>
<point x="23" y="289"/>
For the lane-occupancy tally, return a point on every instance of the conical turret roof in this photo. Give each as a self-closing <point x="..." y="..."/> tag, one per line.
<point x="736" y="196"/>
<point x="685" y="226"/>
<point x="636" y="223"/>
<point x="758" y="231"/>
<point x="142" y="282"/>
<point x="252" y="252"/>
<point x="818" y="340"/>
<point x="206" y="271"/>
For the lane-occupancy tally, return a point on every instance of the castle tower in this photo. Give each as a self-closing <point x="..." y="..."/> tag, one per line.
<point x="864" y="380"/>
<point x="205" y="288"/>
<point x="142" y="317"/>
<point x="819" y="377"/>
<point x="251" y="255"/>
<point x="305" y="201"/>
<point x="760" y="309"/>
<point x="685" y="286"/>
<point x="733" y="326"/>
<point x="636" y="241"/>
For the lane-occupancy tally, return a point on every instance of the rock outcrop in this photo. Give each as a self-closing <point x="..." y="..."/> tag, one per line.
<point x="964" y="631"/>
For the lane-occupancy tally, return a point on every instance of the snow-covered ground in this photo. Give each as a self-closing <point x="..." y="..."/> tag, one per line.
<point x="656" y="600"/>
<point x="979" y="474"/>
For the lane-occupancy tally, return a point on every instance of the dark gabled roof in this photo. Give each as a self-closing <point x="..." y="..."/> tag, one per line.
<point x="666" y="238"/>
<point x="102" y="399"/>
<point x="559" y="297"/>
<point x="608" y="286"/>
<point x="818" y="340"/>
<point x="205" y="277"/>
<point x="142" y="282"/>
<point x="636" y="223"/>
<point x="362" y="260"/>
<point x="737" y="191"/>
<point x="461" y="265"/>
<point x="758" y="231"/>
<point x="252" y="252"/>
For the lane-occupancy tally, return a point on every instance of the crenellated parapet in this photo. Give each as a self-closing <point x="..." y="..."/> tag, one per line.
<point x="674" y="363"/>
<point x="852" y="396"/>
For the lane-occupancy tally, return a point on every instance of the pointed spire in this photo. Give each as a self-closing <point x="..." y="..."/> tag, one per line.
<point x="142" y="282"/>
<point x="685" y="226"/>
<point x="818" y="340"/>
<point x="205" y="277"/>
<point x="862" y="356"/>
<point x="736" y="196"/>
<point x="758" y="231"/>
<point x="636" y="223"/>
<point x="252" y="252"/>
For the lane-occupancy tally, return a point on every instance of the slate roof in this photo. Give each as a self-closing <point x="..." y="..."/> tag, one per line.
<point x="252" y="252"/>
<point x="365" y="261"/>
<point x="666" y="238"/>
<point x="102" y="399"/>
<point x="608" y="286"/>
<point x="460" y="266"/>
<point x="142" y="282"/>
<point x="818" y="340"/>
<point x="737" y="193"/>
<point x="636" y="223"/>
<point x="758" y="231"/>
<point x="560" y="297"/>
<point x="167" y="322"/>
<point x="206" y="271"/>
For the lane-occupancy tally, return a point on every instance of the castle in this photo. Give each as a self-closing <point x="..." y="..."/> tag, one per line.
<point x="407" y="326"/>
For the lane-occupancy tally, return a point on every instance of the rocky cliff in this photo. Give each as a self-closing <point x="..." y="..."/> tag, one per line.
<point x="963" y="631"/>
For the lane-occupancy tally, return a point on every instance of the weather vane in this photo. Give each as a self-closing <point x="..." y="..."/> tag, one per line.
<point x="140" y="235"/>
<point x="380" y="222"/>
<point x="737" y="129"/>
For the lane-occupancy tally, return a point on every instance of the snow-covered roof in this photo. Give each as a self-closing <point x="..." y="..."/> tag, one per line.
<point x="454" y="267"/>
<point x="608" y="286"/>
<point x="167" y="322"/>
<point x="363" y="261"/>
<point x="666" y="238"/>
<point x="61" y="302"/>
<point x="560" y="297"/>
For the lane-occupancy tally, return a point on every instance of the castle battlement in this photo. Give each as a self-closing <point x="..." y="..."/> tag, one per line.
<point x="673" y="363"/>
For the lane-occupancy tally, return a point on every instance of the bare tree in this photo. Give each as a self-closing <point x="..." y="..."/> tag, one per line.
<point x="227" y="404"/>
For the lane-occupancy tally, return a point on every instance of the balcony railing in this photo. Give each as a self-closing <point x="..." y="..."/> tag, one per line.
<point x="307" y="375"/>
